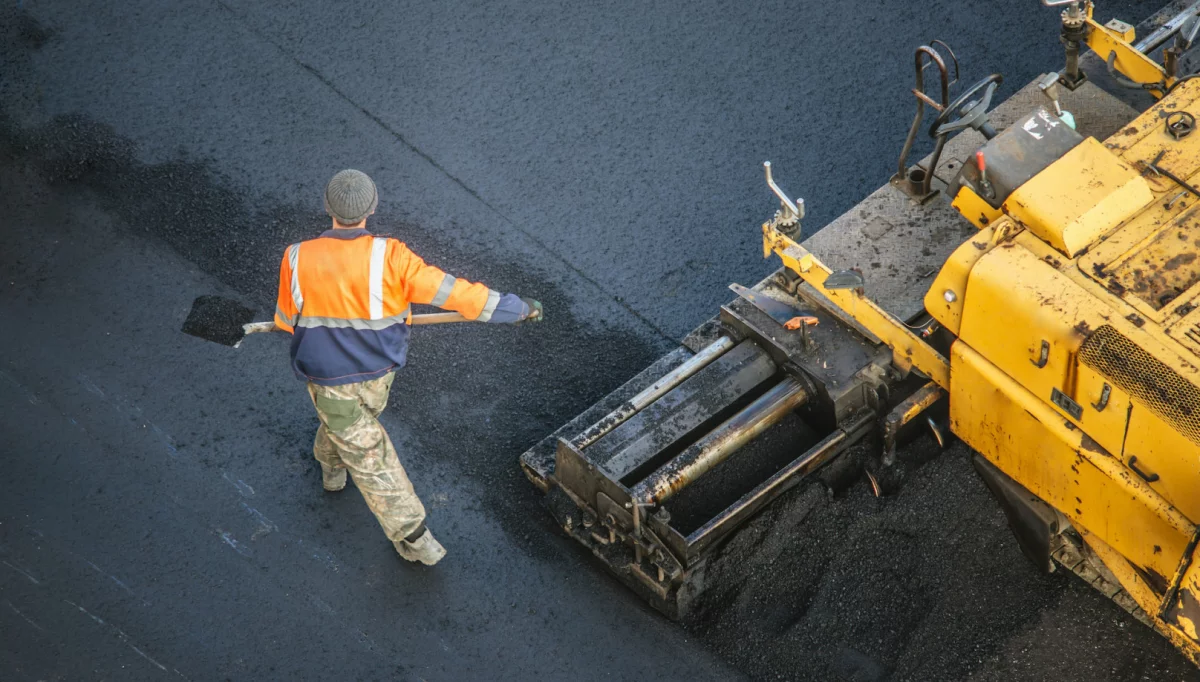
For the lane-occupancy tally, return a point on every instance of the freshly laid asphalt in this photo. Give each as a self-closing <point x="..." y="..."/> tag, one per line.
<point x="160" y="513"/>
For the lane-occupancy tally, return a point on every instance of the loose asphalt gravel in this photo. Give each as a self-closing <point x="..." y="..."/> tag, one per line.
<point x="160" y="515"/>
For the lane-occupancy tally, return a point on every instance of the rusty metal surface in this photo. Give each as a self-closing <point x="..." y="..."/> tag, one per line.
<point x="1166" y="266"/>
<point x="903" y="413"/>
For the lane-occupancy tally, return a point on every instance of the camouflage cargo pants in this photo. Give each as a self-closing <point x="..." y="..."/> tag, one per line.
<point x="351" y="437"/>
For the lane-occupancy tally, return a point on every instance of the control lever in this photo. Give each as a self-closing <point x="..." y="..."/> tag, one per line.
<point x="790" y="212"/>
<point x="1049" y="87"/>
<point x="985" y="186"/>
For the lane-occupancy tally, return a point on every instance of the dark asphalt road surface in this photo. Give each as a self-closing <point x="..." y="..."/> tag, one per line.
<point x="160" y="514"/>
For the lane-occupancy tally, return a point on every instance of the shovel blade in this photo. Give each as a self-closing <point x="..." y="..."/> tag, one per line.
<point x="217" y="319"/>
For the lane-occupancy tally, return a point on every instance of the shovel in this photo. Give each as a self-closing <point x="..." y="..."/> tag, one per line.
<point x="225" y="321"/>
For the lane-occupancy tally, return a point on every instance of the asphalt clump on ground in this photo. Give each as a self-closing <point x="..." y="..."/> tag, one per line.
<point x="925" y="584"/>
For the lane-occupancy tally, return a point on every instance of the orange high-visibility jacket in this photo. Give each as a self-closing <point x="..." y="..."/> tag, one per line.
<point x="345" y="297"/>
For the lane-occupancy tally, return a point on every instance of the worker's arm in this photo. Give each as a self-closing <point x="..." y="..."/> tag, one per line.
<point x="285" y="306"/>
<point x="424" y="283"/>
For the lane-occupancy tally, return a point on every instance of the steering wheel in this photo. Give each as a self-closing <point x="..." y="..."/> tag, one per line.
<point x="970" y="112"/>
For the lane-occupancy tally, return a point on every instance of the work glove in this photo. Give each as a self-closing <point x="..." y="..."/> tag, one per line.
<point x="535" y="310"/>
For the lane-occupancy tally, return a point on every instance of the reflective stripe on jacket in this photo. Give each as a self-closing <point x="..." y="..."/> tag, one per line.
<point x="345" y="297"/>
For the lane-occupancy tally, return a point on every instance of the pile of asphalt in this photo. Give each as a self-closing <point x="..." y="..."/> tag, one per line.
<point x="925" y="584"/>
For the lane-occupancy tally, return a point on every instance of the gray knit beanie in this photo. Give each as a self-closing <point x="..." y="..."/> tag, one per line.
<point x="350" y="196"/>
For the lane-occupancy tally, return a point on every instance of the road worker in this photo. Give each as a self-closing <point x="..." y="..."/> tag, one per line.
<point x="345" y="297"/>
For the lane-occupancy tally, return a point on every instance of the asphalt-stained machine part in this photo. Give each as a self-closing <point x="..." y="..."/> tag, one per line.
<point x="778" y="310"/>
<point x="656" y="485"/>
<point x="721" y="442"/>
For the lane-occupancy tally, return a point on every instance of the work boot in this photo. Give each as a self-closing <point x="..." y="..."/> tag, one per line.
<point x="333" y="479"/>
<point x="424" y="549"/>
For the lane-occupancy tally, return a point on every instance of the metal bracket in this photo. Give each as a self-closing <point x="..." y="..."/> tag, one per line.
<point x="1049" y="87"/>
<point x="1180" y="124"/>
<point x="1105" y="393"/>
<point x="845" y="279"/>
<point x="907" y="410"/>
<point x="1044" y="357"/>
<point x="1149" y="478"/>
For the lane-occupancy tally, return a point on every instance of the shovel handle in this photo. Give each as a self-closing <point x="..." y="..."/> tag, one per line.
<point x="437" y="318"/>
<point x="259" y="327"/>
<point x="428" y="318"/>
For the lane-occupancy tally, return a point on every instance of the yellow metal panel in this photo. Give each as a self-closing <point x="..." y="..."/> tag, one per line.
<point x="1015" y="301"/>
<point x="1031" y="443"/>
<point x="1080" y="197"/>
<point x="1150" y="122"/>
<point x="1107" y="426"/>
<point x="1163" y="267"/>
<point x="1147" y="596"/>
<point x="945" y="298"/>
<point x="1164" y="452"/>
<point x="1187" y="330"/>
<point x="1131" y="262"/>
<point x="1179" y="157"/>
<point x="1182" y="614"/>
<point x="1130" y="61"/>
<point x="1152" y="261"/>
<point x="974" y="208"/>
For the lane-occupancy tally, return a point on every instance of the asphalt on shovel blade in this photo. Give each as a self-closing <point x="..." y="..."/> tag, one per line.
<point x="217" y="319"/>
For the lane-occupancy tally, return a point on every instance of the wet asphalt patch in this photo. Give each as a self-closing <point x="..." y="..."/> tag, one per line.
<point x="478" y="395"/>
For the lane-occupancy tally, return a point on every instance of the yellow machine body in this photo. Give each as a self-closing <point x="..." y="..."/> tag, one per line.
<point x="1075" y="362"/>
<point x="1073" y="371"/>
